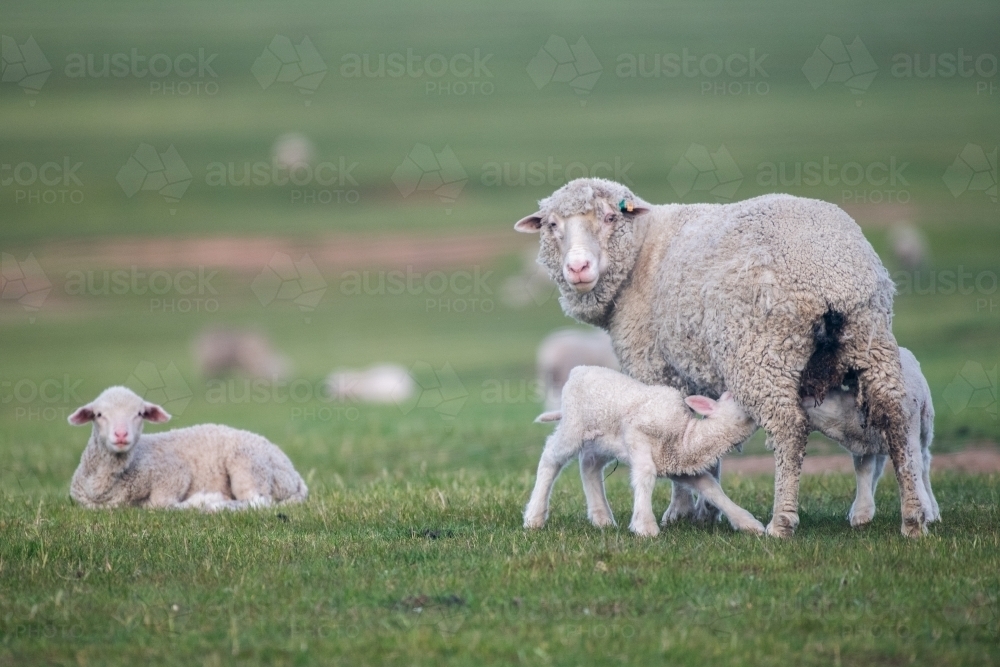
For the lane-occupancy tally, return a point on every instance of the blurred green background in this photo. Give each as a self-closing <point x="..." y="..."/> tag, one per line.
<point x="658" y="95"/>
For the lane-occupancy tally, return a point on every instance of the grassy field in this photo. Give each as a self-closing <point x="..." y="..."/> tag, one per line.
<point x="410" y="550"/>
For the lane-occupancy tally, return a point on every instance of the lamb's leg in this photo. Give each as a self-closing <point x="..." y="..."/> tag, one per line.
<point x="250" y="481"/>
<point x="555" y="455"/>
<point x="706" y="511"/>
<point x="863" y="509"/>
<point x="935" y="513"/>
<point x="682" y="505"/>
<point x="643" y="478"/>
<point x="592" y="474"/>
<point x="708" y="487"/>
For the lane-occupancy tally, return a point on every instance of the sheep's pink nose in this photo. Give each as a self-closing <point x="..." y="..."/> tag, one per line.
<point x="577" y="266"/>
<point x="121" y="433"/>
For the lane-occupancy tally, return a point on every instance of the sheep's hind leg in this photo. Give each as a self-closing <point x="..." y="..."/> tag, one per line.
<point x="592" y="474"/>
<point x="682" y="505"/>
<point x="554" y="457"/>
<point x="706" y="511"/>
<point x="863" y="508"/>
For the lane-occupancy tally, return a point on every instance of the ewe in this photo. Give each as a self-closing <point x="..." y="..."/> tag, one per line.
<point x="209" y="466"/>
<point x="774" y="298"/>
<point x="607" y="415"/>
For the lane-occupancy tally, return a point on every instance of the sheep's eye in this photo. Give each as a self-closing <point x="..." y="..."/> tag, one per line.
<point x="609" y="218"/>
<point x="98" y="414"/>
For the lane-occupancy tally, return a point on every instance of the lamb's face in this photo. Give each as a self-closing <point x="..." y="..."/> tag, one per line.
<point x="725" y="410"/>
<point x="117" y="416"/>
<point x="576" y="246"/>
<point x="837" y="416"/>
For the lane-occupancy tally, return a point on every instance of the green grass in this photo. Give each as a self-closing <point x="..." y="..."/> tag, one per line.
<point x="410" y="509"/>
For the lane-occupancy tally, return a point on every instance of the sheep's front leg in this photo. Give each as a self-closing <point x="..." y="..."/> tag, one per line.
<point x="863" y="508"/>
<point x="554" y="457"/>
<point x="709" y="488"/>
<point x="706" y="511"/>
<point x="592" y="474"/>
<point x="643" y="478"/>
<point x="682" y="505"/>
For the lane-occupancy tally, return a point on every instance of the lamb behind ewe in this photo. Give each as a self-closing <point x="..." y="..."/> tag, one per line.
<point x="839" y="418"/>
<point x="774" y="298"/>
<point x="562" y="351"/>
<point x="210" y="467"/>
<point x="607" y="415"/>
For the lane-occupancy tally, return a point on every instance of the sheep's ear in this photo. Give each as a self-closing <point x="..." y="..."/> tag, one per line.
<point x="154" y="413"/>
<point x="627" y="207"/>
<point x="81" y="416"/>
<point x="703" y="405"/>
<point x="530" y="224"/>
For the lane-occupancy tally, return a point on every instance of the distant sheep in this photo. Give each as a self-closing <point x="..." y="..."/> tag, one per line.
<point x="293" y="150"/>
<point x="563" y="350"/>
<point x="219" y="351"/>
<point x="839" y="418"/>
<point x="606" y="415"/>
<point x="209" y="467"/>
<point x="909" y="246"/>
<point x="382" y="383"/>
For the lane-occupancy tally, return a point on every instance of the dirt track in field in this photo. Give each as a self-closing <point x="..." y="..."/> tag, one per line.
<point x="977" y="459"/>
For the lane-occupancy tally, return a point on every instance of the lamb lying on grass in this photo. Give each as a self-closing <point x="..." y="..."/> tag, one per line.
<point x="838" y="417"/>
<point x="209" y="467"/>
<point x="607" y="415"/>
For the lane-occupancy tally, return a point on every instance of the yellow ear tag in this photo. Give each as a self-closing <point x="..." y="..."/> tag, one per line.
<point x="626" y="206"/>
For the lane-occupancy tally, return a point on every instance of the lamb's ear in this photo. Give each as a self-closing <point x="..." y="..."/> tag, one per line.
<point x="703" y="405"/>
<point x="82" y="416"/>
<point x="154" y="413"/>
<point x="530" y="224"/>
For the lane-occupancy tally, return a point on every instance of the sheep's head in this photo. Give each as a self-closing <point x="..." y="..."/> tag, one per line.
<point x="837" y="416"/>
<point x="117" y="416"/>
<point x="580" y="226"/>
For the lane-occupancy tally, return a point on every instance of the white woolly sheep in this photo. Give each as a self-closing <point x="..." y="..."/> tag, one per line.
<point x="839" y="418"/>
<point x="219" y="351"/>
<point x="774" y="298"/>
<point x="209" y="466"/>
<point x="561" y="351"/>
<point x="606" y="415"/>
<point x="382" y="383"/>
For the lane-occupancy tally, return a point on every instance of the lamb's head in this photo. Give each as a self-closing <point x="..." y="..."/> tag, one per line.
<point x="837" y="417"/>
<point x="117" y="416"/>
<point x="726" y="413"/>
<point x="586" y="228"/>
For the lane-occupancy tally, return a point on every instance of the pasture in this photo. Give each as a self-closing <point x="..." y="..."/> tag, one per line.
<point x="410" y="549"/>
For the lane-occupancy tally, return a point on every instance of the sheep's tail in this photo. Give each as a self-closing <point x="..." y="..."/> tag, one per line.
<point x="825" y="368"/>
<point x="553" y="416"/>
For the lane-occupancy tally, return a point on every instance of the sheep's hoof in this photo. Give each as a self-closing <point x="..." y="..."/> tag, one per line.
<point x="783" y="524"/>
<point x="603" y="521"/>
<point x="752" y="526"/>
<point x="676" y="513"/>
<point x="534" y="522"/>
<point x="861" y="517"/>
<point x="649" y="529"/>
<point x="914" y="527"/>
